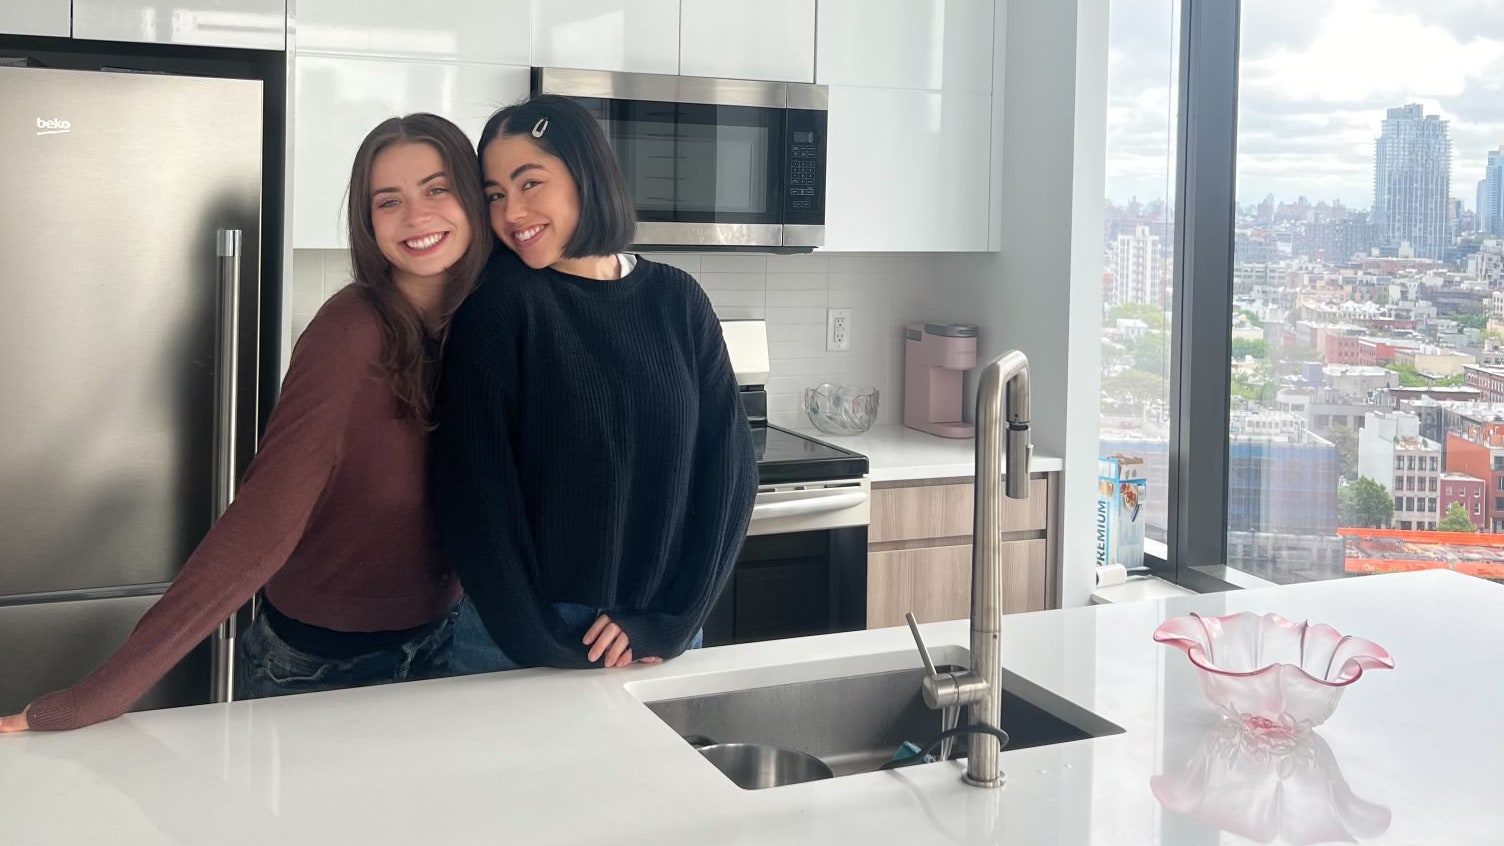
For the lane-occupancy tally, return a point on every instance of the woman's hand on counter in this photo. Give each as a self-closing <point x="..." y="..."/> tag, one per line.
<point x="610" y="641"/>
<point x="606" y="638"/>
<point x="15" y="722"/>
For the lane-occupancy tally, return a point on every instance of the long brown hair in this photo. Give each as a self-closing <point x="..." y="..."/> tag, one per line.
<point x="408" y="354"/>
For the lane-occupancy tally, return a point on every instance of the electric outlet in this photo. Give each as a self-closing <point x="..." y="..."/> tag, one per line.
<point x="837" y="329"/>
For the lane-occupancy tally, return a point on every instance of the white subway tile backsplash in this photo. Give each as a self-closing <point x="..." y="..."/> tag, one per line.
<point x="791" y="292"/>
<point x="785" y="315"/>
<point x="797" y="299"/>
<point x="813" y="366"/>
<point x="799" y="263"/>
<point x="733" y="263"/>
<point x="337" y="271"/>
<point x="782" y="333"/>
<point x="300" y="321"/>
<point x="307" y="282"/>
<point x="797" y="281"/>
<point x="737" y="299"/>
<point x="798" y="348"/>
<point x="793" y="385"/>
<point x="860" y="282"/>
<point x="687" y="262"/>
<point x="733" y="282"/>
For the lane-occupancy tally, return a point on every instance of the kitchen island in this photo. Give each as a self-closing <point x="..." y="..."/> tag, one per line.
<point x="1412" y="756"/>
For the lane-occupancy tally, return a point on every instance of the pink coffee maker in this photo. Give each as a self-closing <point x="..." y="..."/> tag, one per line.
<point x="936" y="357"/>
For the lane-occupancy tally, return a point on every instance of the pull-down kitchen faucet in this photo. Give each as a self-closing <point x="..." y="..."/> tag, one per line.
<point x="981" y="687"/>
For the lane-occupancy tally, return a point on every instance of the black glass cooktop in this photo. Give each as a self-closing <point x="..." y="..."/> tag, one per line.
<point x="785" y="457"/>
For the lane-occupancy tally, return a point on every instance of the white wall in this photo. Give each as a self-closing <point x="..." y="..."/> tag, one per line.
<point x="1042" y="292"/>
<point x="792" y="293"/>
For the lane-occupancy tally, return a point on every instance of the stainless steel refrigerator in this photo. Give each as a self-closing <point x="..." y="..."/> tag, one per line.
<point x="130" y="233"/>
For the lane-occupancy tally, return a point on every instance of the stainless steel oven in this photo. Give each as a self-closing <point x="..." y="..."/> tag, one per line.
<point x="711" y="163"/>
<point x="803" y="569"/>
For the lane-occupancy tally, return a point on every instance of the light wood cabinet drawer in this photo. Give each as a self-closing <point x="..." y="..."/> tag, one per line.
<point x="918" y="512"/>
<point x="935" y="582"/>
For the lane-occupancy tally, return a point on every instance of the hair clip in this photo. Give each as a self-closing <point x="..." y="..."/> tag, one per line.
<point x="540" y="127"/>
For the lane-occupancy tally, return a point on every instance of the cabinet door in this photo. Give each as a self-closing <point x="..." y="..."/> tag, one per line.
<point x="748" y="39"/>
<point x="919" y="44"/>
<point x="935" y="582"/>
<point x="36" y="17"/>
<point x="908" y="171"/>
<point x="495" y="31"/>
<point x="928" y="512"/>
<point x="251" y="24"/>
<point x="339" y="100"/>
<point x="641" y="36"/>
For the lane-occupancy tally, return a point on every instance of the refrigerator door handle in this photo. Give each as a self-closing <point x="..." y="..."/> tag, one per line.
<point x="226" y="388"/>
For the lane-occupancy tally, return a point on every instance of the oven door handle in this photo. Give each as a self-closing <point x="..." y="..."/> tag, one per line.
<point x="813" y="505"/>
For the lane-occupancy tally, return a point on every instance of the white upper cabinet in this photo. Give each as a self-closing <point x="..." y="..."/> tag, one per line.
<point x="641" y="36"/>
<point x="748" y="39"/>
<point x="453" y="30"/>
<point x="908" y="170"/>
<point x="36" y="17"/>
<point x="918" y="44"/>
<point x="251" y="24"/>
<point x="339" y="100"/>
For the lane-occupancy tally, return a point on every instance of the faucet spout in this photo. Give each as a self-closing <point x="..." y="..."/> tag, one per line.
<point x="1004" y="378"/>
<point x="980" y="689"/>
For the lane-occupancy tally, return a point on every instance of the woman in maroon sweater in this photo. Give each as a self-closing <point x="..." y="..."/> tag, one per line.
<point x="331" y="519"/>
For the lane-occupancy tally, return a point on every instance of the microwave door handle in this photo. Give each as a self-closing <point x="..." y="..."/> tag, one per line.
<point x="226" y="389"/>
<point x="813" y="505"/>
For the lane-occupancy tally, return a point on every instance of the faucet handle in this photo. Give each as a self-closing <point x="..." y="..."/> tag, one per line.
<point x="924" y="651"/>
<point x="942" y="690"/>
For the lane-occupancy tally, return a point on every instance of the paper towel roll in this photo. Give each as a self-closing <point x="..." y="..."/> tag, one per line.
<point x="1112" y="574"/>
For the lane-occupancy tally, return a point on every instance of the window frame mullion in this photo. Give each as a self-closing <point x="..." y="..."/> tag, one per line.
<point x="1201" y="338"/>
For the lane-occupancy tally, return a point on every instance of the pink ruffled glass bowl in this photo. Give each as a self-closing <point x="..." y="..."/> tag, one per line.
<point x="1269" y="672"/>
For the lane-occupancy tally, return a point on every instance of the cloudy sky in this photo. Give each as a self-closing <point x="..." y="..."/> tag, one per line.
<point x="1316" y="77"/>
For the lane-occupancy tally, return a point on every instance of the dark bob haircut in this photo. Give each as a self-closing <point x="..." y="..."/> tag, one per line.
<point x="608" y="219"/>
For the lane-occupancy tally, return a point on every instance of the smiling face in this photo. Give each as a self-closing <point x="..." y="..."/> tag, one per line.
<point x="419" y="223"/>
<point x="533" y="199"/>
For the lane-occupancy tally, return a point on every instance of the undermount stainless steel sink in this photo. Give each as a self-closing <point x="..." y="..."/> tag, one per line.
<point x="856" y="723"/>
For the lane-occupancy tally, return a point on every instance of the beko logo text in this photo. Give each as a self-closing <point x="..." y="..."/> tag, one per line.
<point x="53" y="126"/>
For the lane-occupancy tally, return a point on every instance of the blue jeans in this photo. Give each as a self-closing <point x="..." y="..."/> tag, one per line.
<point x="475" y="652"/>
<point x="266" y="665"/>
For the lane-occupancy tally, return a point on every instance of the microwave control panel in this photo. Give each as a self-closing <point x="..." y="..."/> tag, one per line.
<point x="804" y="179"/>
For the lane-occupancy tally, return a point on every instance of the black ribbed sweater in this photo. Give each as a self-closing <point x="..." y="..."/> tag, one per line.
<point x="591" y="448"/>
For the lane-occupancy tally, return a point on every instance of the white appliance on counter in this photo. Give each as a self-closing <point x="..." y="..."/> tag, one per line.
<point x="803" y="569"/>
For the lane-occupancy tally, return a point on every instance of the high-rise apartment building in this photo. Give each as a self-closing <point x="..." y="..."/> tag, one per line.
<point x="1491" y="195"/>
<point x="1412" y="181"/>
<point x="1139" y="269"/>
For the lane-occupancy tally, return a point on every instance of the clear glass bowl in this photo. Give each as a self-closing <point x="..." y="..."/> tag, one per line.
<point x="1266" y="788"/>
<point x="1269" y="672"/>
<point x="841" y="409"/>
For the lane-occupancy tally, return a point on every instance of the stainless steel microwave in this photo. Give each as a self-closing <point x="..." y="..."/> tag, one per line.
<point x="711" y="163"/>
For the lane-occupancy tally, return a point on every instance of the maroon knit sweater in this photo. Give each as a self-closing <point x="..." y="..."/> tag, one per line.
<point x="331" y="517"/>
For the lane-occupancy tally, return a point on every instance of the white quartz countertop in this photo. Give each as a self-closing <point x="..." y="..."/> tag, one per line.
<point x="1412" y="756"/>
<point x="898" y="453"/>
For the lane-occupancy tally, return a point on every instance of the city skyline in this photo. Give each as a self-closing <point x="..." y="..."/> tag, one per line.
<point x="1315" y="88"/>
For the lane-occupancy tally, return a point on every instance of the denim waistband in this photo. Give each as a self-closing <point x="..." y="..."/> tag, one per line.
<point x="332" y="643"/>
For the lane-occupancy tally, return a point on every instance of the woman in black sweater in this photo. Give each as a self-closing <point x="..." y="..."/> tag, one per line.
<point x="593" y="469"/>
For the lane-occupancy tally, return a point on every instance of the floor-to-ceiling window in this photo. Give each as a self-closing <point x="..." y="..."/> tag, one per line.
<point x="1138" y="247"/>
<point x="1367" y="266"/>
<point x="1303" y="323"/>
